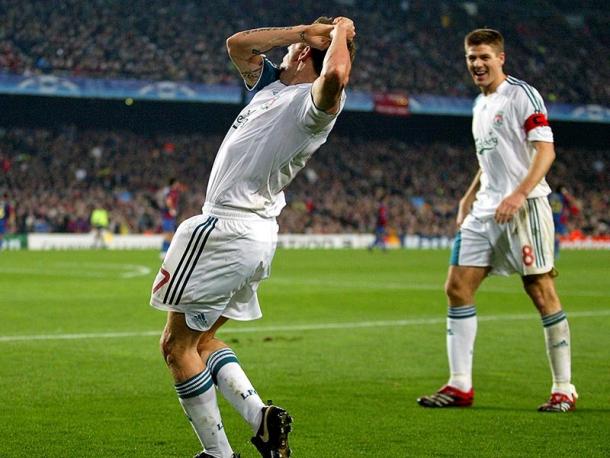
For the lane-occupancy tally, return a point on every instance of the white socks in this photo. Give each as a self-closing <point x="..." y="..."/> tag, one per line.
<point x="235" y="386"/>
<point x="461" y="333"/>
<point x="557" y="337"/>
<point x="198" y="399"/>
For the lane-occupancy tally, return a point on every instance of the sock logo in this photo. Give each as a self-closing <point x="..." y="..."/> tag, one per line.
<point x="449" y="332"/>
<point x="247" y="394"/>
<point x="563" y="343"/>
<point x="220" y="426"/>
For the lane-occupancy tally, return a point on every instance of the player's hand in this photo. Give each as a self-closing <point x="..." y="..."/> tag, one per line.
<point x="318" y="35"/>
<point x="347" y="25"/>
<point x="509" y="206"/>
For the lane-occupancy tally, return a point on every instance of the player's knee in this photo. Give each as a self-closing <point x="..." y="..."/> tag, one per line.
<point x="206" y="347"/>
<point x="171" y="350"/>
<point x="457" y="292"/>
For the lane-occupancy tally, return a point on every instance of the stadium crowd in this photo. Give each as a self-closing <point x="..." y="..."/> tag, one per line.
<point x="408" y="45"/>
<point x="55" y="178"/>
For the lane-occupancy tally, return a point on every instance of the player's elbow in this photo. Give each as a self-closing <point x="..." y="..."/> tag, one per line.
<point x="336" y="76"/>
<point x="230" y="43"/>
<point x="234" y="43"/>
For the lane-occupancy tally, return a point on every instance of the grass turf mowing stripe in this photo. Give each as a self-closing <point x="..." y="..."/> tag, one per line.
<point x="298" y="327"/>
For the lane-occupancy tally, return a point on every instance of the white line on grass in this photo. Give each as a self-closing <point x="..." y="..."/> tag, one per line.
<point x="416" y="286"/>
<point x="91" y="270"/>
<point x="297" y="327"/>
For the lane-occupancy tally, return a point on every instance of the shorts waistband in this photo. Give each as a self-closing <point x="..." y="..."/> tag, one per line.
<point x="232" y="213"/>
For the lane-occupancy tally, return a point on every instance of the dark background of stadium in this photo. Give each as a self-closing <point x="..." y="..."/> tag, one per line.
<point x="187" y="117"/>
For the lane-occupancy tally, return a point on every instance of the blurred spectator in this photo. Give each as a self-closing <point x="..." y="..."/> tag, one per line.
<point x="338" y="191"/>
<point x="413" y="46"/>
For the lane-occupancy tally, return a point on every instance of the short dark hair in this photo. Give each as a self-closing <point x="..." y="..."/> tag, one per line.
<point x="489" y="37"/>
<point x="318" y="55"/>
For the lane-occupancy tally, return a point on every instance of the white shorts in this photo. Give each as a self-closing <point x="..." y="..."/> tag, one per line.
<point x="524" y="245"/>
<point x="214" y="265"/>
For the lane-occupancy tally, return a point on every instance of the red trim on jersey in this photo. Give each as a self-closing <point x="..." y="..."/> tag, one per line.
<point x="535" y="120"/>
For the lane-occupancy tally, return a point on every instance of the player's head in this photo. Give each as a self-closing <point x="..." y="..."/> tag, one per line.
<point x="300" y="52"/>
<point x="485" y="58"/>
<point x="318" y="55"/>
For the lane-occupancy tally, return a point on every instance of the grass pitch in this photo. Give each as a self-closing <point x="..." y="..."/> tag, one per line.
<point x="349" y="340"/>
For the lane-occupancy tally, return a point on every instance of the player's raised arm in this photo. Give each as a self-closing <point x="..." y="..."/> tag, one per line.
<point x="246" y="48"/>
<point x="328" y="87"/>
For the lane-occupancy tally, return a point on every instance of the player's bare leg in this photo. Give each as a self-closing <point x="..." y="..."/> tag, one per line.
<point x="460" y="288"/>
<point x="193" y="383"/>
<point x="270" y="424"/>
<point x="541" y="289"/>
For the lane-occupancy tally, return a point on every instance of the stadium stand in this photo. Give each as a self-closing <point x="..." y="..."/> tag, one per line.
<point x="410" y="45"/>
<point x="57" y="175"/>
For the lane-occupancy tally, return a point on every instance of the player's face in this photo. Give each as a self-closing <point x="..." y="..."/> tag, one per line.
<point x="485" y="66"/>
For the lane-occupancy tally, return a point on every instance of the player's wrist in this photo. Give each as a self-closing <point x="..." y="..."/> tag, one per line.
<point x="338" y="31"/>
<point x="521" y="192"/>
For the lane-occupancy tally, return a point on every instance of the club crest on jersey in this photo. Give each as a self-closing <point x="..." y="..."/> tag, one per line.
<point x="498" y="119"/>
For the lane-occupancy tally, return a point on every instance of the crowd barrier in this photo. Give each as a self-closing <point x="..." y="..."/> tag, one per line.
<point x="288" y="241"/>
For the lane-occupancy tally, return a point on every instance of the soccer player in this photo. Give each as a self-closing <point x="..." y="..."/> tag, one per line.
<point x="7" y="216"/>
<point x="505" y="222"/>
<point x="100" y="221"/>
<point x="169" y="212"/>
<point x="563" y="205"/>
<point x="380" y="226"/>
<point x="216" y="260"/>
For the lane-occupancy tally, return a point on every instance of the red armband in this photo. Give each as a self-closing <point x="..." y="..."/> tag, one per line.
<point x="535" y="120"/>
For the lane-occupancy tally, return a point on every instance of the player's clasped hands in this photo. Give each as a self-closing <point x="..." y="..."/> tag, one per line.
<point x="319" y="36"/>
<point x="348" y="25"/>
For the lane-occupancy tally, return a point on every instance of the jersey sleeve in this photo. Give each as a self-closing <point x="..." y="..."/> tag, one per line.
<point x="315" y="120"/>
<point x="532" y="114"/>
<point x="269" y="75"/>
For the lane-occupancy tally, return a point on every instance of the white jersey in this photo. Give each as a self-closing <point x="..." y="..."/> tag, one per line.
<point x="269" y="142"/>
<point x="504" y="125"/>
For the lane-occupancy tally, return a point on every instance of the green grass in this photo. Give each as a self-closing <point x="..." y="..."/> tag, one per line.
<point x="350" y="389"/>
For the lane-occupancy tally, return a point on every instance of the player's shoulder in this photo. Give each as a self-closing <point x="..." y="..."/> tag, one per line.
<point x="478" y="102"/>
<point x="517" y="89"/>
